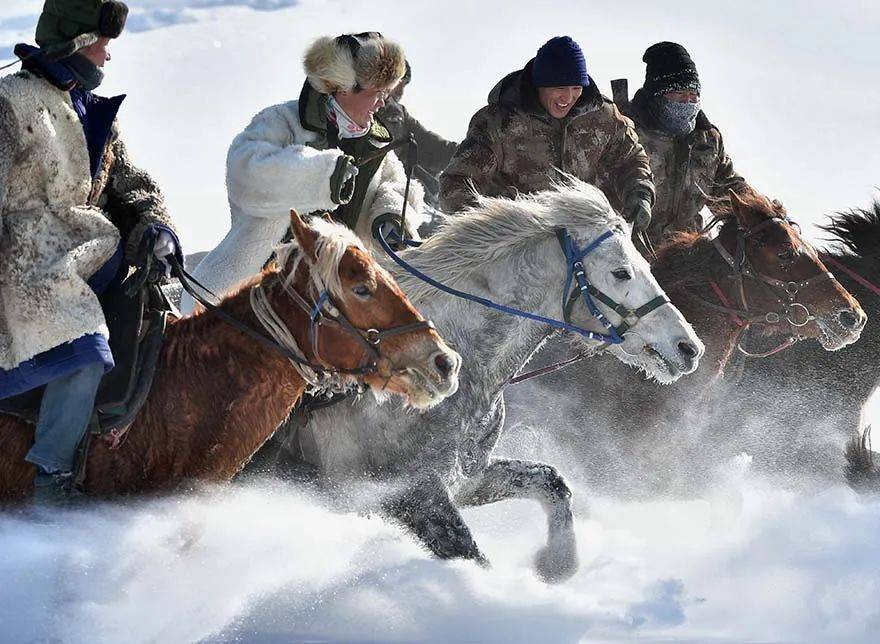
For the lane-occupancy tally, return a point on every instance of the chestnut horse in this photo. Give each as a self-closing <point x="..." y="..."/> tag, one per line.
<point x="757" y="282"/>
<point x="218" y="395"/>
<point x="810" y="401"/>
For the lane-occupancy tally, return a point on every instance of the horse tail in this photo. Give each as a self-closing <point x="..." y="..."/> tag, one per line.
<point x="862" y="472"/>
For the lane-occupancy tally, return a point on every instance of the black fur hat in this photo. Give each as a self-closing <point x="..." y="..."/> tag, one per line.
<point x="669" y="68"/>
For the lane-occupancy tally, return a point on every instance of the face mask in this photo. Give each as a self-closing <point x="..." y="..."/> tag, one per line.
<point x="87" y="73"/>
<point x="678" y="118"/>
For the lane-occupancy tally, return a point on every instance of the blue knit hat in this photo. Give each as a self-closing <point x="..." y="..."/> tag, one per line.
<point x="560" y="63"/>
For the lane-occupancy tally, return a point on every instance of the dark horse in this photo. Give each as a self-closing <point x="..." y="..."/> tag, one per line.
<point x="809" y="401"/>
<point x="757" y="283"/>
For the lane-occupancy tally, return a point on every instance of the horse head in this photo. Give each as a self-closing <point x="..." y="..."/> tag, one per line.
<point x="780" y="278"/>
<point x="359" y="320"/>
<point x="654" y="336"/>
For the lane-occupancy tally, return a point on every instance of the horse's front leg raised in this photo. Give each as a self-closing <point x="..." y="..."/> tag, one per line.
<point x="427" y="509"/>
<point x="513" y="479"/>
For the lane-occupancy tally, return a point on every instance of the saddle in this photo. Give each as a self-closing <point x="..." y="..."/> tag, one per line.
<point x="135" y="311"/>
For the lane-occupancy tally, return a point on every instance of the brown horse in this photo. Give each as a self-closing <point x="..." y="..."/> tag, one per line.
<point x="805" y="403"/>
<point x="756" y="283"/>
<point x="218" y="395"/>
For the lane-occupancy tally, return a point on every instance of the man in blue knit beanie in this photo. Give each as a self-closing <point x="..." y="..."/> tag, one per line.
<point x="546" y="117"/>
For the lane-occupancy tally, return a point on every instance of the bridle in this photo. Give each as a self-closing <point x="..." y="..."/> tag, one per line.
<point x="587" y="291"/>
<point x="795" y="313"/>
<point x="322" y="312"/>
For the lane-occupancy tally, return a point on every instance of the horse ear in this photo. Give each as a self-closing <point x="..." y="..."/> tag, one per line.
<point x="306" y="236"/>
<point x="740" y="209"/>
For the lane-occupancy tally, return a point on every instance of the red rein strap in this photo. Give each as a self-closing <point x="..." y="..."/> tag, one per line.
<point x="744" y="325"/>
<point x="727" y="303"/>
<point x="858" y="278"/>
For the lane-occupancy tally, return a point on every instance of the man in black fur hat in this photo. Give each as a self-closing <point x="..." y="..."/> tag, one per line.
<point x="686" y="151"/>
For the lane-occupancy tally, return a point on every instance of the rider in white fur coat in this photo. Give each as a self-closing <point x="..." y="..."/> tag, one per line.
<point x="304" y="154"/>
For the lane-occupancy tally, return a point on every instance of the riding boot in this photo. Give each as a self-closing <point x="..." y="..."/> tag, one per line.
<point x="54" y="490"/>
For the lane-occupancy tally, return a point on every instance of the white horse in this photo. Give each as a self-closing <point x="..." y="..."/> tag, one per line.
<point x="506" y="250"/>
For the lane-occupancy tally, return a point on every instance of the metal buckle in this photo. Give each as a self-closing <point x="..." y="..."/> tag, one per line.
<point x="373" y="336"/>
<point x="807" y="317"/>
<point x="772" y="317"/>
<point x="792" y="288"/>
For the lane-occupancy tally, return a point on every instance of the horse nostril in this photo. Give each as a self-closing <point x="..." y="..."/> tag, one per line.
<point x="848" y="318"/>
<point x="444" y="364"/>
<point x="688" y="350"/>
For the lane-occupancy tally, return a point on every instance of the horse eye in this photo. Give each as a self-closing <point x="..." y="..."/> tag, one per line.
<point x="362" y="291"/>
<point x="622" y="274"/>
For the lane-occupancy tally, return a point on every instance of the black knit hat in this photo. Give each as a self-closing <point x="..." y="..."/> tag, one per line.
<point x="669" y="68"/>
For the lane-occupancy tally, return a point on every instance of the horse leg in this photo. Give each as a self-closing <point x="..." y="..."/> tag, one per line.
<point x="514" y="479"/>
<point x="427" y="509"/>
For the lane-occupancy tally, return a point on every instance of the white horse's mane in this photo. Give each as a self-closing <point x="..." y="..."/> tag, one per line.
<point x="496" y="227"/>
<point x="333" y="240"/>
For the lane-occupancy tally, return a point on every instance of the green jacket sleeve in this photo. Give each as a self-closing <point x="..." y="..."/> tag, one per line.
<point x="475" y="163"/>
<point x="435" y="152"/>
<point x="134" y="201"/>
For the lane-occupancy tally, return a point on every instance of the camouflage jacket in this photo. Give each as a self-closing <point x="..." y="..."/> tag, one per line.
<point x="688" y="170"/>
<point x="513" y="146"/>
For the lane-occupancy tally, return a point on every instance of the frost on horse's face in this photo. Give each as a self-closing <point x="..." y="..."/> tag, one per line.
<point x="661" y="342"/>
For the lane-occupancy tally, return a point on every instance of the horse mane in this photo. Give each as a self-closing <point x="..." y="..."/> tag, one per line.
<point x="333" y="241"/>
<point x="857" y="230"/>
<point x="683" y="259"/>
<point x="185" y="338"/>
<point x="498" y="227"/>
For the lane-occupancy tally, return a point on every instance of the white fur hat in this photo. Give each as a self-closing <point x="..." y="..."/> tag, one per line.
<point x="365" y="60"/>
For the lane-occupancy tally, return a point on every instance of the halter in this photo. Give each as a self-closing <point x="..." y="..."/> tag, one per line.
<point x="629" y="317"/>
<point x="795" y="313"/>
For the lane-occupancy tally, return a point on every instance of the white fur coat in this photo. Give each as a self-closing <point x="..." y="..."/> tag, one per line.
<point x="274" y="165"/>
<point x="51" y="241"/>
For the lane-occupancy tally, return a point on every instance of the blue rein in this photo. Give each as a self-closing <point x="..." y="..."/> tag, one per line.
<point x="573" y="257"/>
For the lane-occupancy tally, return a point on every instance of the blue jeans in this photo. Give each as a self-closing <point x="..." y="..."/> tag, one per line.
<point x="64" y="417"/>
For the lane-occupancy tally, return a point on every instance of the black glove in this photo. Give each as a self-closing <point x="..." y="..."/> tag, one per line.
<point x="342" y="180"/>
<point x="637" y="210"/>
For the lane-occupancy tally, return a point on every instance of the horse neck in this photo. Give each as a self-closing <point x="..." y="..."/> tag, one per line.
<point x="495" y="344"/>
<point x="237" y="392"/>
<point x="687" y="270"/>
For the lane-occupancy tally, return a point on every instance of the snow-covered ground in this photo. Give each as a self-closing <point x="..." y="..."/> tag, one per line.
<point x="793" y="86"/>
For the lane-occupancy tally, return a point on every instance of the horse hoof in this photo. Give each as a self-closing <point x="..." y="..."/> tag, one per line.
<point x="555" y="567"/>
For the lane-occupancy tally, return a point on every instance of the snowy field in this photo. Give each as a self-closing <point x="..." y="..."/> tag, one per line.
<point x="794" y="88"/>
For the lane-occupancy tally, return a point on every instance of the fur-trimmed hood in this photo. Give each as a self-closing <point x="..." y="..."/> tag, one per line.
<point x="342" y="63"/>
